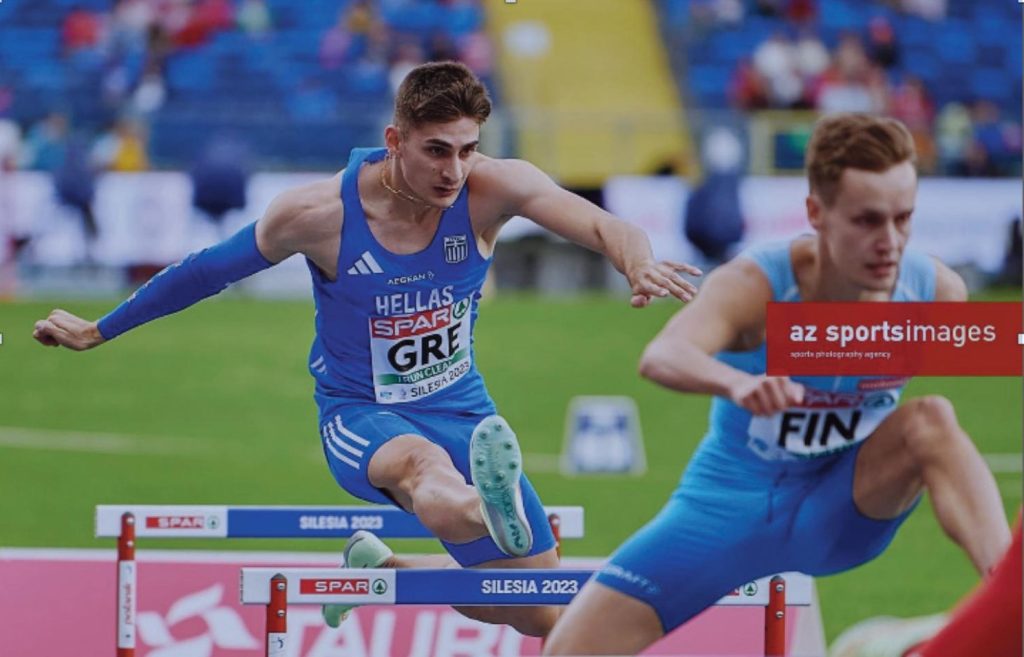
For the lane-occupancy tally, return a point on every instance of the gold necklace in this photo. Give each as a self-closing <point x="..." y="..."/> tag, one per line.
<point x="397" y="192"/>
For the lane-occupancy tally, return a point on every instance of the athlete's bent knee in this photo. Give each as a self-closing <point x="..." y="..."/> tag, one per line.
<point x="933" y="425"/>
<point x="432" y="485"/>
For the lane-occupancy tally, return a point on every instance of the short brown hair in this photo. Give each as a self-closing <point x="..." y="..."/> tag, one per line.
<point x="440" y="92"/>
<point x="854" y="141"/>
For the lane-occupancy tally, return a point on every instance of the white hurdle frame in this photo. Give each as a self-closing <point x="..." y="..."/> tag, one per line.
<point x="469" y="587"/>
<point x="126" y="523"/>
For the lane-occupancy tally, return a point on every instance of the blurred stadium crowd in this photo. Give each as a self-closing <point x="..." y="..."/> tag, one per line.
<point x="950" y="71"/>
<point x="149" y="79"/>
<point x="222" y="89"/>
<point x="144" y="83"/>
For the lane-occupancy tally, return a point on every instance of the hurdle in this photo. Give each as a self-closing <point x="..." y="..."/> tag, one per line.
<point x="277" y="588"/>
<point x="127" y="523"/>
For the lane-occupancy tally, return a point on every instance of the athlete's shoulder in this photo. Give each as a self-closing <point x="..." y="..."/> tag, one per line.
<point x="773" y="254"/>
<point x="310" y="197"/>
<point x="301" y="216"/>
<point x="949" y="286"/>
<point x="485" y="166"/>
<point x="740" y="278"/>
<point x="501" y="174"/>
<point x="497" y="190"/>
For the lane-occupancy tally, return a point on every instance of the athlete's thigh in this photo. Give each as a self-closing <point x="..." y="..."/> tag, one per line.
<point x="829" y="533"/>
<point x="887" y="480"/>
<point x="695" y="550"/>
<point x="452" y="433"/>
<point x="353" y="435"/>
<point x="604" y="621"/>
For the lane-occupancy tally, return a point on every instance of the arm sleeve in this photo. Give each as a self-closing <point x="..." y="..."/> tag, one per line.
<point x="197" y="276"/>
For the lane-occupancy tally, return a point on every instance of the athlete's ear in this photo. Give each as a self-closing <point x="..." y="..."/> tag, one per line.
<point x="814" y="208"/>
<point x="392" y="138"/>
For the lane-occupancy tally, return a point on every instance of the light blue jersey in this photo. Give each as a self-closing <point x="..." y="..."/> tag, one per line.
<point x="838" y="411"/>
<point x="764" y="495"/>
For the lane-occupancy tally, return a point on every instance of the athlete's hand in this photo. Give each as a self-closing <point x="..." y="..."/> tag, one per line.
<point x="63" y="329"/>
<point x="767" y="395"/>
<point x="660" y="279"/>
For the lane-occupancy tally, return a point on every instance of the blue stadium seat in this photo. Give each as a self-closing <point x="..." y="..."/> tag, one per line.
<point x="990" y="83"/>
<point x="415" y="18"/>
<point x="190" y="71"/>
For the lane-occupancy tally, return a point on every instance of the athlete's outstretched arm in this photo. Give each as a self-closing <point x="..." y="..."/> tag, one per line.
<point x="527" y="191"/>
<point x="728" y="314"/>
<point x="199" y="275"/>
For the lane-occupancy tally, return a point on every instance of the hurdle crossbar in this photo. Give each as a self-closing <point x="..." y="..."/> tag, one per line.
<point x="278" y="587"/>
<point x="127" y="522"/>
<point x="212" y="521"/>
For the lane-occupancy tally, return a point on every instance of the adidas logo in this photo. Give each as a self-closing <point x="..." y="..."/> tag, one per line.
<point x="366" y="264"/>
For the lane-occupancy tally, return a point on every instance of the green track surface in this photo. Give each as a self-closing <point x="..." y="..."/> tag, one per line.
<point x="214" y="405"/>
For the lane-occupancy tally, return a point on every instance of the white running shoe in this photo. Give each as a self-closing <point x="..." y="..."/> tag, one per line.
<point x="363" y="550"/>
<point x="885" y="636"/>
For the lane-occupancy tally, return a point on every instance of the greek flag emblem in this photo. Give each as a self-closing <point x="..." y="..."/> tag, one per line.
<point x="456" y="249"/>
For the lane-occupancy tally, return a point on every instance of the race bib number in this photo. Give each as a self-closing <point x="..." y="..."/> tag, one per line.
<point x="825" y="423"/>
<point x="418" y="354"/>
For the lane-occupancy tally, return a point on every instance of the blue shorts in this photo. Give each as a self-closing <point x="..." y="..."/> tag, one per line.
<point x="352" y="433"/>
<point x="735" y="518"/>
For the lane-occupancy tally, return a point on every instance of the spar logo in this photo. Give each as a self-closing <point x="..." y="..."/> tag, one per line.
<point x="346" y="586"/>
<point x="748" y="590"/>
<point x="181" y="522"/>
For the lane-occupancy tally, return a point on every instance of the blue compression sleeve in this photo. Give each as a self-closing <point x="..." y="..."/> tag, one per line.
<point x="198" y="276"/>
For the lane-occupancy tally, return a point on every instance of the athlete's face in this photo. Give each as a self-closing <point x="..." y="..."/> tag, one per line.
<point x="867" y="227"/>
<point x="434" y="159"/>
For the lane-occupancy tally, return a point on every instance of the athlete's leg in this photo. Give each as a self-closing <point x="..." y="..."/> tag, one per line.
<point x="531" y="621"/>
<point x="420" y="476"/>
<point x="713" y="535"/>
<point x="601" y="620"/>
<point x="921" y="445"/>
<point x="381" y="456"/>
<point x="423" y="479"/>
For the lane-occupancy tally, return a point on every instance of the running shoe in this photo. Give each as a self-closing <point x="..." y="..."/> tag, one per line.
<point x="496" y="464"/>
<point x="363" y="550"/>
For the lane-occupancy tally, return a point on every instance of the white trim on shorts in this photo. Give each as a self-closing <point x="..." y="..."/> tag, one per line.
<point x="332" y="441"/>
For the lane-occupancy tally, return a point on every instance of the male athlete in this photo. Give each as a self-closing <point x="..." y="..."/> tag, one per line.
<point x="398" y="245"/>
<point x="756" y="500"/>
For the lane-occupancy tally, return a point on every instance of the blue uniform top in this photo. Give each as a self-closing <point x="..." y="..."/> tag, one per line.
<point x="398" y="328"/>
<point x="838" y="411"/>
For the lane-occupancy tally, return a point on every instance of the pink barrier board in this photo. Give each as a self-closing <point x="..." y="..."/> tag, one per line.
<point x="61" y="602"/>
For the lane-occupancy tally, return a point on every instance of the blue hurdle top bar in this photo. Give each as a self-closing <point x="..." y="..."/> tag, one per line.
<point x="469" y="586"/>
<point x="212" y="521"/>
